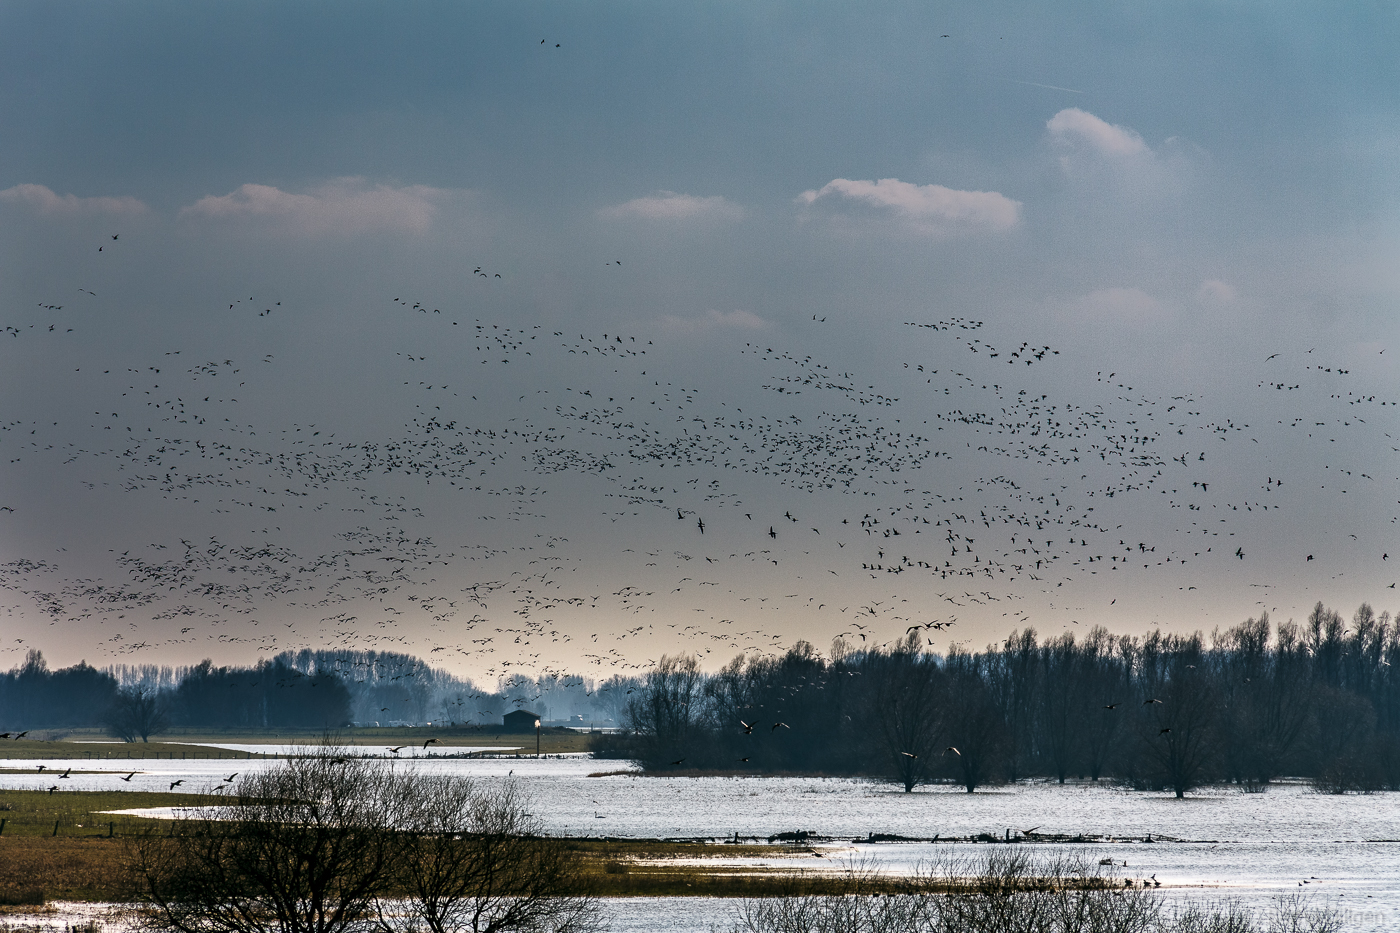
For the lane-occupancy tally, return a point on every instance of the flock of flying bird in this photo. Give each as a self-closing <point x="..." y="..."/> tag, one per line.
<point x="544" y="499"/>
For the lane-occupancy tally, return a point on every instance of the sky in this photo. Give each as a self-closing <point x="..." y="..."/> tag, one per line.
<point x="560" y="336"/>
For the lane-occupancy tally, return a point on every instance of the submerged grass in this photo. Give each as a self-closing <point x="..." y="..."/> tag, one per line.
<point x="79" y="752"/>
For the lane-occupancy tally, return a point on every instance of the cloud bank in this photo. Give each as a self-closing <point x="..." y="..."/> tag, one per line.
<point x="1124" y="305"/>
<point x="714" y="320"/>
<point x="1075" y="126"/>
<point x="670" y="205"/>
<point x="42" y="200"/>
<point x="932" y="207"/>
<point x="1217" y="291"/>
<point x="346" y="205"/>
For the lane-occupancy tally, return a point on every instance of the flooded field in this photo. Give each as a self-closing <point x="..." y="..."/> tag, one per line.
<point x="1218" y="842"/>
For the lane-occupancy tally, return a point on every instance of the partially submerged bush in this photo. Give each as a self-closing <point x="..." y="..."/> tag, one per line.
<point x="330" y="843"/>
<point x="1011" y="892"/>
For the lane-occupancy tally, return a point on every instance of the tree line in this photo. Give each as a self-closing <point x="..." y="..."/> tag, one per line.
<point x="1318" y="699"/>
<point x="302" y="689"/>
<point x="265" y="695"/>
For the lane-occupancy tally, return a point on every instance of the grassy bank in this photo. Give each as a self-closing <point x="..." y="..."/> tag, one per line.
<point x="93" y="743"/>
<point x="38" y="867"/>
<point x="83" y="859"/>
<point x="61" y="846"/>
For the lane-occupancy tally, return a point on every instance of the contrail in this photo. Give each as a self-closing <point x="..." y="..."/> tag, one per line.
<point x="1050" y="86"/>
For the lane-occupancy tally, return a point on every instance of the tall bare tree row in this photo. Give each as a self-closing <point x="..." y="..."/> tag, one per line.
<point x="1318" y="699"/>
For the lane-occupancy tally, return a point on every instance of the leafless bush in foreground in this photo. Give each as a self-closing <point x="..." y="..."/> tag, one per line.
<point x="1011" y="892"/>
<point x="331" y="843"/>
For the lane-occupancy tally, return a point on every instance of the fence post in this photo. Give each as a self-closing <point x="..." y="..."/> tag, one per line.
<point x="3" y="821"/>
<point x="111" y="828"/>
<point x="55" y="827"/>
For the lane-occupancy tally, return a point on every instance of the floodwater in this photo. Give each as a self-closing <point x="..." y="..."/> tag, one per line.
<point x="1219" y="842"/>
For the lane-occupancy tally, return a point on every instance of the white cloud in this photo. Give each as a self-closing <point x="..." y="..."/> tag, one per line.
<point x="1123" y="304"/>
<point x="1217" y="291"/>
<point x="1074" y="125"/>
<point x="44" y="201"/>
<point x="669" y="205"/>
<point x="346" y="205"/>
<point x="932" y="207"/>
<point x="713" y="320"/>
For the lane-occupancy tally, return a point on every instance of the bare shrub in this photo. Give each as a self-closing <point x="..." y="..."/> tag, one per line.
<point x="472" y="858"/>
<point x="330" y="843"/>
<point x="1011" y="892"/>
<point x="306" y="849"/>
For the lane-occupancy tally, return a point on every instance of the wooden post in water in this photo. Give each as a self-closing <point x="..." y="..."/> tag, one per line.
<point x="3" y="821"/>
<point x="110" y="828"/>
<point x="55" y="827"/>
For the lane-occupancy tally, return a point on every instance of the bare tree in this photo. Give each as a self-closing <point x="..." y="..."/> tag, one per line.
<point x="666" y="713"/>
<point x="1106" y="672"/>
<point x="332" y="843"/>
<point x="1011" y="675"/>
<point x="1063" y="706"/>
<point x="306" y="850"/>
<point x="908" y="709"/>
<point x="473" y="859"/>
<point x="1177" y="729"/>
<point x="136" y="712"/>
<point x="975" y="726"/>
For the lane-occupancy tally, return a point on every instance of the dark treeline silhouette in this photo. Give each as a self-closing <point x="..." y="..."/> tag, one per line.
<point x="32" y="696"/>
<point x="1319" y="700"/>
<point x="304" y="689"/>
<point x="268" y="694"/>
